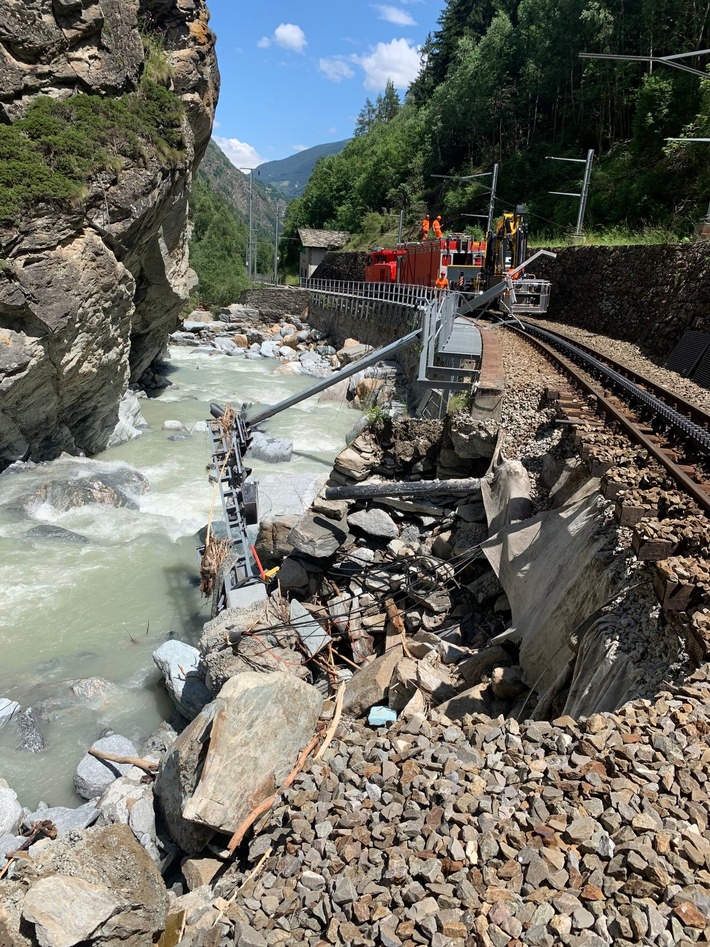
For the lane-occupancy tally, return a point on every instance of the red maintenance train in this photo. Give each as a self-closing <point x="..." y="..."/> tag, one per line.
<point x="471" y="266"/>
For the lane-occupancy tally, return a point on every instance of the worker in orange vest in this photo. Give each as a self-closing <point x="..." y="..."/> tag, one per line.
<point x="425" y="227"/>
<point x="436" y="227"/>
<point x="442" y="283"/>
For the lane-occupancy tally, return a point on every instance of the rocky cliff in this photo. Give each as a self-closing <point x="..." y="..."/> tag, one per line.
<point x="106" y="108"/>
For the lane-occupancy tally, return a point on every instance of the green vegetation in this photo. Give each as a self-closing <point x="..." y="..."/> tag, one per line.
<point x="59" y="146"/>
<point x="217" y="247"/>
<point x="502" y="82"/>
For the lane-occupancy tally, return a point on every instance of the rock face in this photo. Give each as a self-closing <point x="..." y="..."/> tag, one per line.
<point x="89" y="294"/>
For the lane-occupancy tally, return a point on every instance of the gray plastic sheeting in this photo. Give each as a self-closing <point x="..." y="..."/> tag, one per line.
<point x="555" y="580"/>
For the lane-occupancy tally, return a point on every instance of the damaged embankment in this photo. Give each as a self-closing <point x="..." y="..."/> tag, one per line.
<point x="454" y="826"/>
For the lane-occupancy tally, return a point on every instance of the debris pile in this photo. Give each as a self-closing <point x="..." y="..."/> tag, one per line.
<point x="486" y="831"/>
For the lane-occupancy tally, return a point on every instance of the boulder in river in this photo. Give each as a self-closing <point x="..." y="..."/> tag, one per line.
<point x="181" y="667"/>
<point x="271" y="450"/>
<point x="115" y="488"/>
<point x="48" y="531"/>
<point x="30" y="736"/>
<point x="93" y="775"/>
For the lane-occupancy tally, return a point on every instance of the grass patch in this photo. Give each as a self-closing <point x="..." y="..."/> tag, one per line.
<point x="52" y="153"/>
<point x="610" y="237"/>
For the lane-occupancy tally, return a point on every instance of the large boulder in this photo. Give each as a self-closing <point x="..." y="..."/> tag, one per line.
<point x="261" y="724"/>
<point x="95" y="886"/>
<point x="317" y="536"/>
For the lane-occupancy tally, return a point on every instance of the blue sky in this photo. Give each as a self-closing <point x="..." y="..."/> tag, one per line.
<point x="296" y="74"/>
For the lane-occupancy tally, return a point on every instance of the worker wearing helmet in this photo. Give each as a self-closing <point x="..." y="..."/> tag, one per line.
<point x="425" y="227"/>
<point x="442" y="283"/>
<point x="436" y="227"/>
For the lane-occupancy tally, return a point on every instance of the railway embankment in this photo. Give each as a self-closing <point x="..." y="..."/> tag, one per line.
<point x="535" y="768"/>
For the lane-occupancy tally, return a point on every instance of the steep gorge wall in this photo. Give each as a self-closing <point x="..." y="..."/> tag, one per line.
<point x="89" y="292"/>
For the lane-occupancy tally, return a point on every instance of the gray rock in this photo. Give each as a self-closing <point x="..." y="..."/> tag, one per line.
<point x="30" y="736"/>
<point x="65" y="819"/>
<point x="317" y="536"/>
<point x="47" y="531"/>
<point x="93" y="775"/>
<point x="10" y="812"/>
<point x="131" y="423"/>
<point x="181" y="667"/>
<point x="292" y="575"/>
<point x="269" y="349"/>
<point x="8" y="709"/>
<point x="271" y="450"/>
<point x="265" y="721"/>
<point x="375" y="522"/>
<point x="370" y="685"/>
<point x="176" y="426"/>
<point x="8" y="843"/>
<point x="67" y="910"/>
<point x="94" y="692"/>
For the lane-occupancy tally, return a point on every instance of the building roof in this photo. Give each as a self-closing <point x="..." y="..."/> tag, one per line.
<point x="323" y="239"/>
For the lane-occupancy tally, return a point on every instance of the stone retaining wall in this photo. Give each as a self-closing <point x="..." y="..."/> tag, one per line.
<point x="648" y="295"/>
<point x="276" y="302"/>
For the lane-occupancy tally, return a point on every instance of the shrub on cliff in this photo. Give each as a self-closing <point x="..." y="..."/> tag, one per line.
<point x="59" y="146"/>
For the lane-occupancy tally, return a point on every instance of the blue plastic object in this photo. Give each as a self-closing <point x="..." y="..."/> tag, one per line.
<point x="381" y="716"/>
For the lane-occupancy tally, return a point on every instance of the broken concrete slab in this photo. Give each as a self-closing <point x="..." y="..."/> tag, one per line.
<point x="312" y="634"/>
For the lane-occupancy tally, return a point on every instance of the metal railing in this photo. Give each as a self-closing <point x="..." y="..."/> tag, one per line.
<point x="401" y="294"/>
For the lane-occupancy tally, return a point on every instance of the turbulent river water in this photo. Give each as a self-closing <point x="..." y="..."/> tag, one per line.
<point x="76" y="610"/>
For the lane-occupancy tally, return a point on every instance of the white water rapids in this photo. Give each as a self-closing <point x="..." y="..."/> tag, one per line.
<point x="72" y="610"/>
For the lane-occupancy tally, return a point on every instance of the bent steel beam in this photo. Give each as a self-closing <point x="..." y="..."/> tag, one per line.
<point x="377" y="356"/>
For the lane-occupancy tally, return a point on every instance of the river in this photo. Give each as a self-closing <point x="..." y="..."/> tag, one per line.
<point x="73" y="610"/>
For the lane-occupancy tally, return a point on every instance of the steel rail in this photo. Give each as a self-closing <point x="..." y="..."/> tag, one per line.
<point x="699" y="415"/>
<point x="679" y="422"/>
<point x="690" y="486"/>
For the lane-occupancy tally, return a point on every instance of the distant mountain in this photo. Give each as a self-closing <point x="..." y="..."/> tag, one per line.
<point x="290" y="175"/>
<point x="233" y="186"/>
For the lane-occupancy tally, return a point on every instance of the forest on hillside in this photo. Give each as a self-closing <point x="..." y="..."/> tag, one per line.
<point x="502" y="81"/>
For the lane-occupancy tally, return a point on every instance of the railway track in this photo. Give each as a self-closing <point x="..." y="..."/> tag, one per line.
<point x="650" y="450"/>
<point x="672" y="430"/>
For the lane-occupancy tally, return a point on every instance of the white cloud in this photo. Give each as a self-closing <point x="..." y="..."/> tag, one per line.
<point x="396" y="60"/>
<point x="332" y="130"/>
<point x="290" y="36"/>
<point x="264" y="42"/>
<point x="240" y="153"/>
<point x="394" y="15"/>
<point x="335" y="69"/>
<point x="299" y="147"/>
<point x="216" y="124"/>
